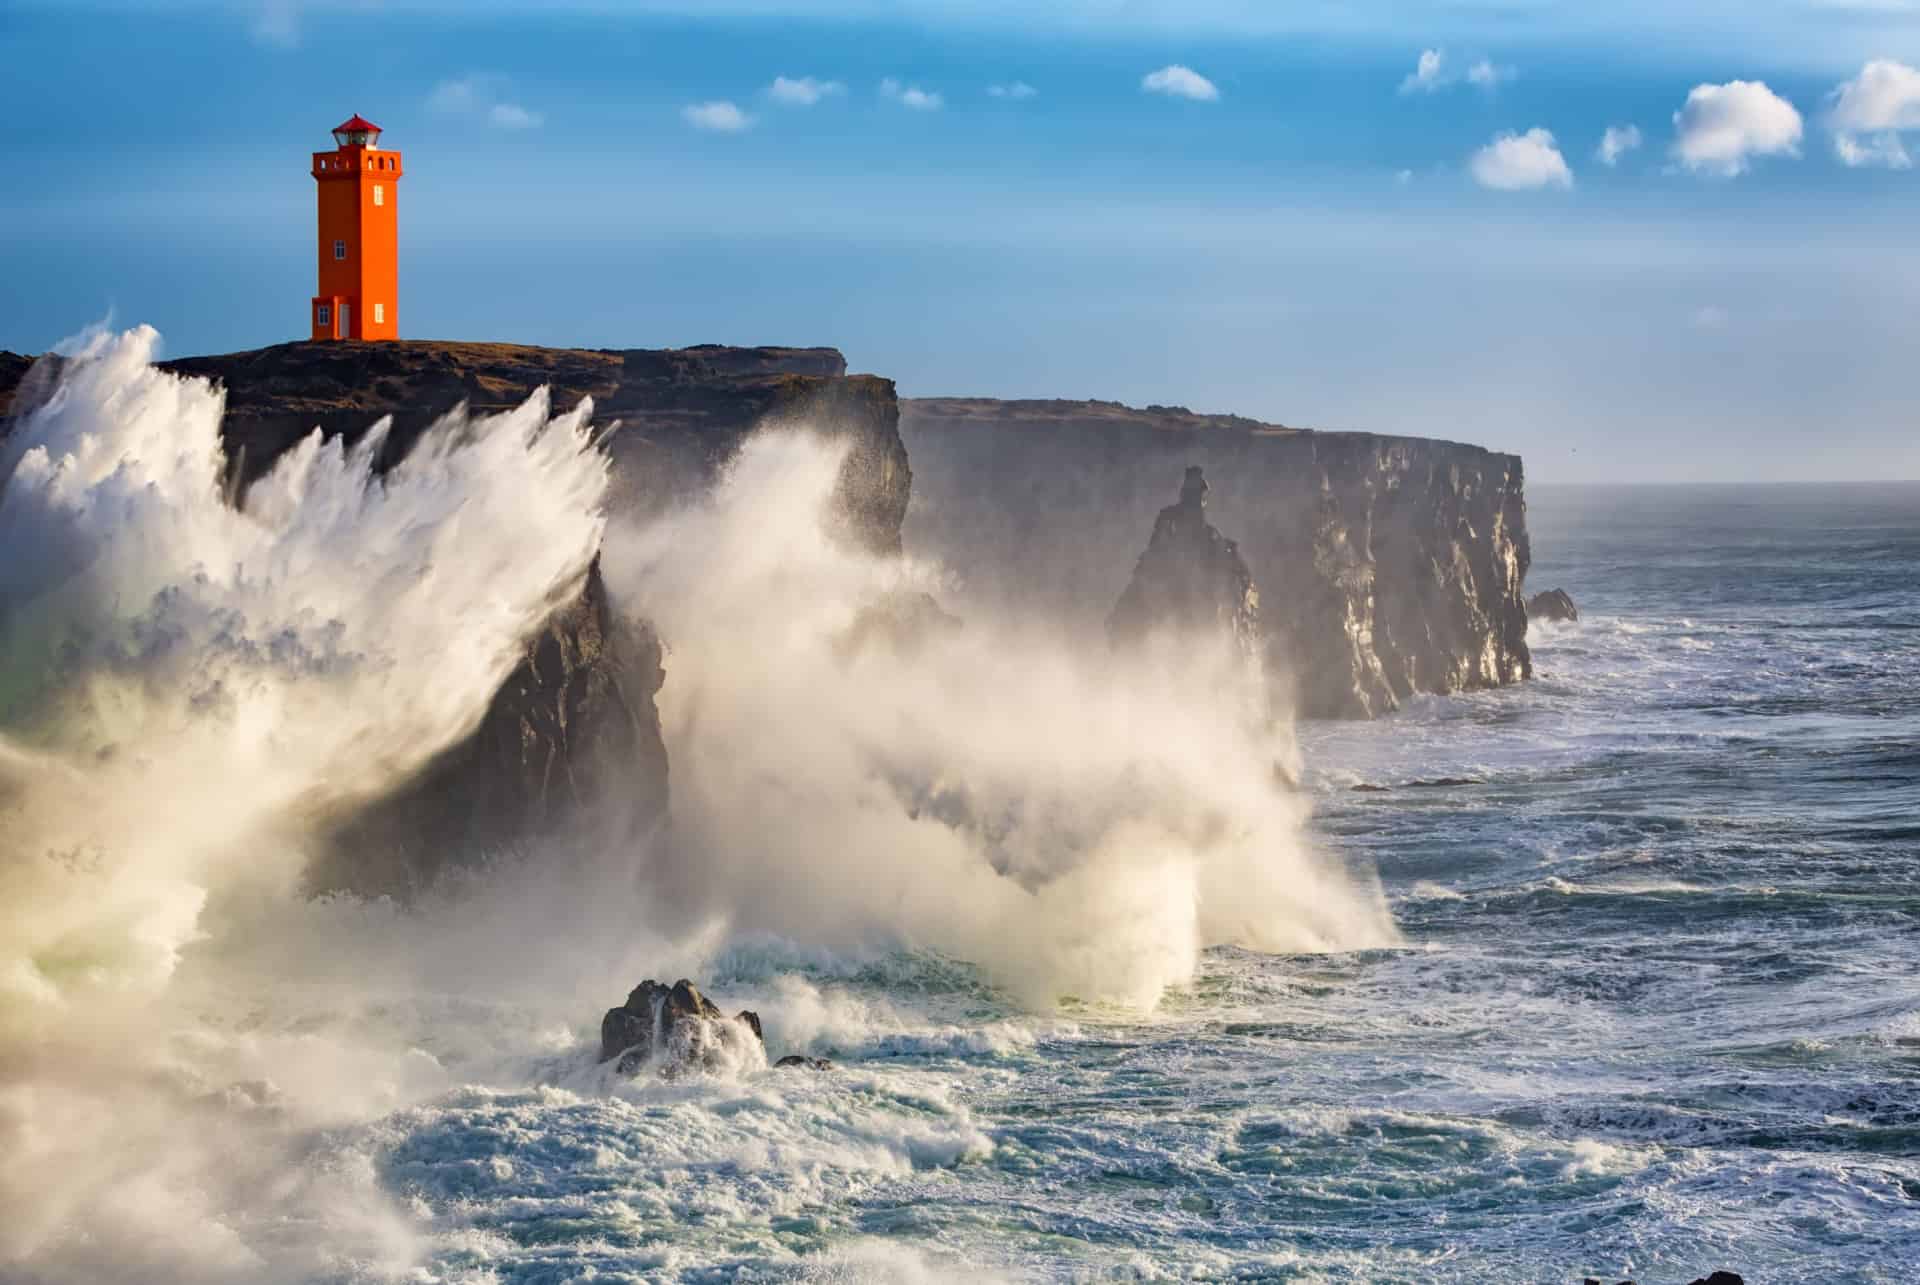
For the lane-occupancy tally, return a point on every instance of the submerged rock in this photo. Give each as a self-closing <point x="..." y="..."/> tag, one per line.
<point x="1190" y="579"/>
<point x="678" y="1029"/>
<point x="1554" y="604"/>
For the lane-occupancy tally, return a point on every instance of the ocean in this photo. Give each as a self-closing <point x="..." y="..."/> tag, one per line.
<point x="1611" y="974"/>
<point x="1656" y="1012"/>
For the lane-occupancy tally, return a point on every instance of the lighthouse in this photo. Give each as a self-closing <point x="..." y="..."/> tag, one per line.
<point x="359" y="240"/>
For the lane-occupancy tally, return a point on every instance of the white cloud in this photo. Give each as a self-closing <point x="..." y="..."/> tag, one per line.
<point x="478" y="97"/>
<point x="1434" y="72"/>
<point x="1484" y="75"/>
<point x="804" y="92"/>
<point x="1882" y="151"/>
<point x="1521" y="163"/>
<point x="513" y="116"/>
<point x="1018" y="89"/>
<point x="1884" y="96"/>
<point x="1176" y="81"/>
<point x="1879" y="103"/>
<point x="1617" y="142"/>
<point x="719" y="117"/>
<point x="920" y="100"/>
<point x="1723" y="127"/>
<point x="1428" y="75"/>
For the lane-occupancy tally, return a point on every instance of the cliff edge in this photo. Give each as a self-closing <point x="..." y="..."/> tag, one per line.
<point x="1387" y="566"/>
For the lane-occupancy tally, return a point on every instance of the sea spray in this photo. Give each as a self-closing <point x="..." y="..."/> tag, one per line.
<point x="1079" y="824"/>
<point x="186" y="684"/>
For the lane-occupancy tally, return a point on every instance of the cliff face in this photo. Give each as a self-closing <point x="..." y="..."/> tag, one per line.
<point x="576" y="720"/>
<point x="1386" y="566"/>
<point x="574" y="729"/>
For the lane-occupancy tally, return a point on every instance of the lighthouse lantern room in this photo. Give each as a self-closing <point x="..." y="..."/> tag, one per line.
<point x="359" y="241"/>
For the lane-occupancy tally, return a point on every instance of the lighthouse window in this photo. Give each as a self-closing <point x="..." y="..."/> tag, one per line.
<point x="339" y="249"/>
<point x="379" y="194"/>
<point x="323" y="315"/>
<point x="379" y="314"/>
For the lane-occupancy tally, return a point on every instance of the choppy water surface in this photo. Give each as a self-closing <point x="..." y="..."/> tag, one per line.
<point x="1657" y="1013"/>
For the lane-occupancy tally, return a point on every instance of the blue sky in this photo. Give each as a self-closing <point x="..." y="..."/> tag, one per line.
<point x="1292" y="222"/>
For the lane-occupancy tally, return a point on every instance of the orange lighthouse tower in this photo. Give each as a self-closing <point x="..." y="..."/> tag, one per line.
<point x="359" y="183"/>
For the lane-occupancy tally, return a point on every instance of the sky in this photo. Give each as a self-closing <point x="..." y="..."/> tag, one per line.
<point x="1632" y="242"/>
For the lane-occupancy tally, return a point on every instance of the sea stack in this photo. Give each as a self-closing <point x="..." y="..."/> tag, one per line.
<point x="1190" y="580"/>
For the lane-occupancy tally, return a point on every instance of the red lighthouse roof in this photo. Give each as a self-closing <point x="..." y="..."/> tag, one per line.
<point x="357" y="132"/>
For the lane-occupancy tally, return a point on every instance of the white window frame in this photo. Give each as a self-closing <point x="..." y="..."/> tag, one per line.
<point x="339" y="251"/>
<point x="379" y="194"/>
<point x="379" y="314"/>
<point x="323" y="316"/>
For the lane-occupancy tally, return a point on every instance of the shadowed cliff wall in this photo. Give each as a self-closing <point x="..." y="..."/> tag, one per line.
<point x="1387" y="566"/>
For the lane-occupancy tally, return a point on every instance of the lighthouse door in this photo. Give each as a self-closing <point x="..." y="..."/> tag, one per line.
<point x="346" y="321"/>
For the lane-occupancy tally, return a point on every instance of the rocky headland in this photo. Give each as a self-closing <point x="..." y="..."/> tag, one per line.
<point x="1386" y="566"/>
<point x="576" y="721"/>
<point x="1365" y="569"/>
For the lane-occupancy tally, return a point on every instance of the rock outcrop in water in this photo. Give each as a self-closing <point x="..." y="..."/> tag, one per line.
<point x="1388" y="566"/>
<point x="1554" y="604"/>
<point x="676" y="1029"/>
<point x="1191" y="579"/>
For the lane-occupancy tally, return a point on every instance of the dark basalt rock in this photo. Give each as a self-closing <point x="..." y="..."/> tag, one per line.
<point x="1554" y="604"/>
<point x="1191" y="580"/>
<point x="1387" y="566"/>
<point x="675" y="1027"/>
<point x="574" y="727"/>
<point x="1721" y="1278"/>
<point x="797" y="1061"/>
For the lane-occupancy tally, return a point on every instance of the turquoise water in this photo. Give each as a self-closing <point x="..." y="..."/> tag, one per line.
<point x="1656" y="1013"/>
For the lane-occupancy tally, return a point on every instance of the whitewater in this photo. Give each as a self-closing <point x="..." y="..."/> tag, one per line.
<point x="1609" y="974"/>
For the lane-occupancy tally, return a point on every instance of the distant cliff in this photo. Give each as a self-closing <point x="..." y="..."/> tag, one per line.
<point x="1386" y="566"/>
<point x="576" y="721"/>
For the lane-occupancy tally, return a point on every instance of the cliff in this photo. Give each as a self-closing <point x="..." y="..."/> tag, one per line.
<point x="1386" y="566"/>
<point x="576" y="721"/>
